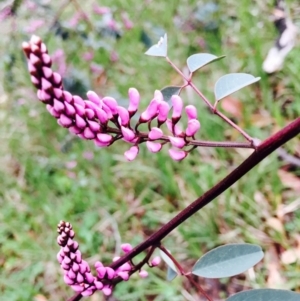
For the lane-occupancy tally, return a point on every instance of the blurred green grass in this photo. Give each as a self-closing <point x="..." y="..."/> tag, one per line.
<point x="46" y="176"/>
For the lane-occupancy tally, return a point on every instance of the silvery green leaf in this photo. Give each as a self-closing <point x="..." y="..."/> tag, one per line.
<point x="159" y="49"/>
<point x="172" y="271"/>
<point x="228" y="260"/>
<point x="199" y="60"/>
<point x="233" y="82"/>
<point x="168" y="92"/>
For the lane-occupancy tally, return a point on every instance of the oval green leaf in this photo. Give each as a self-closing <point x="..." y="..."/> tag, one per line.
<point x="168" y="92"/>
<point x="199" y="60"/>
<point x="233" y="82"/>
<point x="265" y="295"/>
<point x="172" y="271"/>
<point x="228" y="260"/>
<point x="159" y="49"/>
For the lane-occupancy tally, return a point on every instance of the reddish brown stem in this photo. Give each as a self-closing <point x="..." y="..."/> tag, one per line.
<point x="263" y="150"/>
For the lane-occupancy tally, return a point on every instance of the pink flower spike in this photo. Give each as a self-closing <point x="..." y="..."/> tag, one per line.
<point x="192" y="128"/>
<point x="177" y="155"/>
<point x="111" y="103"/>
<point x="106" y="291"/>
<point x="126" y="247"/>
<point x="155" y="133"/>
<point x="177" y="108"/>
<point x="191" y="112"/>
<point x="124" y="275"/>
<point x="93" y="97"/>
<point x="123" y="115"/>
<point x="134" y="100"/>
<point x="110" y="273"/>
<point x="177" y="141"/>
<point x="155" y="261"/>
<point x="127" y="133"/>
<point x="131" y="153"/>
<point x="163" y="110"/>
<point x="153" y="146"/>
<point x="143" y="274"/>
<point x="150" y="112"/>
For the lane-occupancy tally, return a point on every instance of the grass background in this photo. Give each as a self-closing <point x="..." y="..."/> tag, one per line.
<point x="46" y="175"/>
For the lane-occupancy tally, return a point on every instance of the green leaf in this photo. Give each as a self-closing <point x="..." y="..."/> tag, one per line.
<point x="199" y="60"/>
<point x="233" y="82"/>
<point x="228" y="260"/>
<point x="172" y="271"/>
<point x="171" y="274"/>
<point x="159" y="49"/>
<point x="168" y="92"/>
<point x="265" y="295"/>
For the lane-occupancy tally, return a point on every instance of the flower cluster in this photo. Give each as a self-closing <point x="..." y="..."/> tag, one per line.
<point x="102" y="119"/>
<point x="77" y="272"/>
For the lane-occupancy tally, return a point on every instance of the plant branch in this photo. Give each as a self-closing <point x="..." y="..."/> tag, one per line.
<point x="263" y="150"/>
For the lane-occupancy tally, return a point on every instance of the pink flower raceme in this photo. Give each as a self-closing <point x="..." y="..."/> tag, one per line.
<point x="77" y="272"/>
<point x="102" y="119"/>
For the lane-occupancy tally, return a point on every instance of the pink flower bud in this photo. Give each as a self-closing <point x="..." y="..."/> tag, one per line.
<point x="57" y="79"/>
<point x="177" y="108"/>
<point x="192" y="128"/>
<point x="89" y="278"/>
<point x="177" y="131"/>
<point x="46" y="85"/>
<point x="143" y="274"/>
<point x="98" y="285"/>
<point x="191" y="112"/>
<point x="79" y="278"/>
<point x="94" y="126"/>
<point x="153" y="147"/>
<point x="65" y="121"/>
<point x="80" y="122"/>
<point x="155" y="261"/>
<point x="69" y="109"/>
<point x="106" y="291"/>
<point x="43" y="96"/>
<point x="110" y="273"/>
<point x="134" y="100"/>
<point x="101" y="272"/>
<point x="123" y="115"/>
<point x="68" y="280"/>
<point x="35" y="40"/>
<point x="71" y="274"/>
<point x="124" y="275"/>
<point x="87" y="292"/>
<point x="125" y="267"/>
<point x="177" y="155"/>
<point x="88" y="133"/>
<point x="102" y="116"/>
<point x="93" y="97"/>
<point x="59" y="257"/>
<point x="58" y="93"/>
<point x="58" y="105"/>
<point x="47" y="72"/>
<point x="75" y="130"/>
<point x="35" y="81"/>
<point x="177" y="141"/>
<point x="163" y="110"/>
<point x="34" y="60"/>
<point x="75" y="267"/>
<point x="111" y="103"/>
<point x="104" y="138"/>
<point x="155" y="133"/>
<point x="98" y="264"/>
<point x="46" y="59"/>
<point x="68" y="97"/>
<point x="89" y="113"/>
<point x="127" y="133"/>
<point x="101" y="144"/>
<point x="131" y="153"/>
<point x="77" y="288"/>
<point x="107" y="110"/>
<point x="150" y="112"/>
<point x="126" y="247"/>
